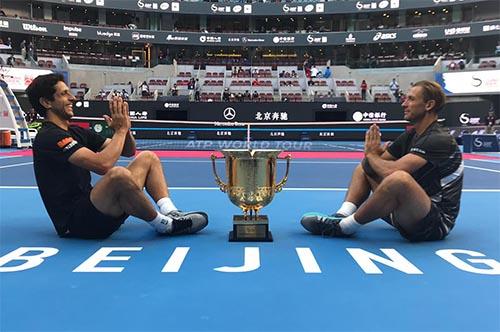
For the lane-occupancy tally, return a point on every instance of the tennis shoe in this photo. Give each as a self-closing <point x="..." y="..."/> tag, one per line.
<point x="323" y="224"/>
<point x="187" y="222"/>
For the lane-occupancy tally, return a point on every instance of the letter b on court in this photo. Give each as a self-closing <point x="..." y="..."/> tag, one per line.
<point x="30" y="261"/>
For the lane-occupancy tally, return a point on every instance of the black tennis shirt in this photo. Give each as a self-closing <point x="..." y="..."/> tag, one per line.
<point x="60" y="183"/>
<point x="442" y="176"/>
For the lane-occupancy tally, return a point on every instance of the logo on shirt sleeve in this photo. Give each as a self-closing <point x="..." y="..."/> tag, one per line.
<point x="417" y="150"/>
<point x="67" y="143"/>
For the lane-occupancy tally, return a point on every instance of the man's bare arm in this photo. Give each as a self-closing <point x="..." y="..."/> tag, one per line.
<point x="381" y="162"/>
<point x="100" y="162"/>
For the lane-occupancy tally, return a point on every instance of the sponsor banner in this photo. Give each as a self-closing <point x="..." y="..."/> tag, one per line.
<point x="385" y="36"/>
<point x="470" y="82"/>
<point x="447" y="2"/>
<point x="34" y="27"/>
<point x="18" y="79"/>
<point x="465" y="114"/>
<point x="329" y="106"/>
<point x="257" y="39"/>
<point x="491" y="27"/>
<point x="234" y="40"/>
<point x="480" y="143"/>
<point x="458" y="114"/>
<point x="142" y="36"/>
<point x="176" y="38"/>
<point x="162" y="6"/>
<point x="260" y="112"/>
<point x="210" y="39"/>
<point x="303" y="8"/>
<point x="100" y="3"/>
<point x="284" y="39"/>
<point x="380" y="4"/>
<point x="463" y="30"/>
<point x="72" y="31"/>
<point x="261" y="8"/>
<point x="252" y="40"/>
<point x="467" y="119"/>
<point x="108" y="34"/>
<point x="350" y="39"/>
<point x="172" y="105"/>
<point x="230" y="9"/>
<point x="360" y="116"/>
<point x="420" y="34"/>
<point x="317" y="39"/>
<point x="139" y="115"/>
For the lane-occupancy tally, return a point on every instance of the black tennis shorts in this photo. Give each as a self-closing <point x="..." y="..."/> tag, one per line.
<point x="89" y="223"/>
<point x="432" y="226"/>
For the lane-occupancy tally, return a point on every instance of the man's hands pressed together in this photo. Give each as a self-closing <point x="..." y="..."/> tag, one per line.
<point x="372" y="141"/>
<point x="120" y="118"/>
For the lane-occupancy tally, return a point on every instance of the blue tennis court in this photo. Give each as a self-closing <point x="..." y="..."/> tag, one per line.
<point x="140" y="281"/>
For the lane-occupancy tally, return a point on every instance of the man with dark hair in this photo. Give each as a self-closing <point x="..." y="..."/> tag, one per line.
<point x="174" y="91"/>
<point x="490" y="120"/>
<point x="64" y="155"/>
<point x="416" y="182"/>
<point x="197" y="90"/>
<point x="11" y="60"/>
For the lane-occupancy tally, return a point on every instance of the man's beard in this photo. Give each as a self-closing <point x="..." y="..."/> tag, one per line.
<point x="415" y="118"/>
<point x="63" y="114"/>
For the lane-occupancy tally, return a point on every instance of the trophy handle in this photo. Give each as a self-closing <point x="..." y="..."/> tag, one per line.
<point x="222" y="185"/>
<point x="280" y="185"/>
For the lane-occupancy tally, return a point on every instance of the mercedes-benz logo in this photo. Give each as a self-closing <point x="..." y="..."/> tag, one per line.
<point x="229" y="113"/>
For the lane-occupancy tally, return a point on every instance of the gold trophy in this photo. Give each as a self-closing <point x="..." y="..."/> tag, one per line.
<point x="251" y="184"/>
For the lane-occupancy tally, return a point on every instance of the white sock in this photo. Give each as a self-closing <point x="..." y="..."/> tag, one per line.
<point x="347" y="209"/>
<point x="349" y="225"/>
<point x="166" y="205"/>
<point x="161" y="223"/>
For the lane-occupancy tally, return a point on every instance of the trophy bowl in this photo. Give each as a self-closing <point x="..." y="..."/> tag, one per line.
<point x="251" y="185"/>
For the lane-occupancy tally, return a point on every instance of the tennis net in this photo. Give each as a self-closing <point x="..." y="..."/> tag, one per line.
<point x="292" y="136"/>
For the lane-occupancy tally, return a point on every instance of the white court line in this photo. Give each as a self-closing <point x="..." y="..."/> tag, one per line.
<point x="15" y="165"/>
<point x="207" y="161"/>
<point x="221" y="160"/>
<point x="494" y="161"/>
<point x="284" y="189"/>
<point x="7" y="157"/>
<point x="294" y="162"/>
<point x="298" y="162"/>
<point x="483" y="169"/>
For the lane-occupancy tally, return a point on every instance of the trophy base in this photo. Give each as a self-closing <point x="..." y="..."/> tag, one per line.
<point x="251" y="230"/>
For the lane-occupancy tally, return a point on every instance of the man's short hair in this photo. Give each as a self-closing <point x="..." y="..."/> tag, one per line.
<point x="43" y="86"/>
<point x="432" y="91"/>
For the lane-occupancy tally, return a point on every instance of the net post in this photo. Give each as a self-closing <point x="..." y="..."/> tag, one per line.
<point x="248" y="136"/>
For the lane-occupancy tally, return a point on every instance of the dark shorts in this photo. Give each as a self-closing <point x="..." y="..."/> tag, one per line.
<point x="433" y="226"/>
<point x="89" y="223"/>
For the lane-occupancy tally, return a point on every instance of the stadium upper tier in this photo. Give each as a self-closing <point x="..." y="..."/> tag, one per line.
<point x="56" y="29"/>
<point x="262" y="8"/>
<point x="230" y="24"/>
